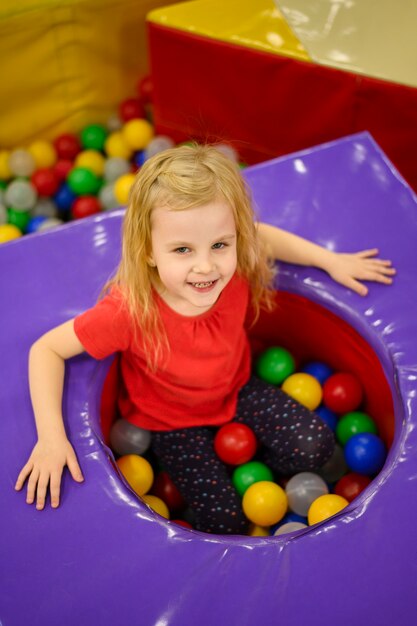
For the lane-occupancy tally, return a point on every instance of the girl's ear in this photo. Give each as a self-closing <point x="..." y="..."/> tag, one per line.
<point x="151" y="262"/>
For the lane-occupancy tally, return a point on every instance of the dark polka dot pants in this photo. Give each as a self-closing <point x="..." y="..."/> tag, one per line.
<point x="294" y="440"/>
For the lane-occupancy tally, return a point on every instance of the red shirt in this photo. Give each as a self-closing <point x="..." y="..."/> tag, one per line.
<point x="209" y="360"/>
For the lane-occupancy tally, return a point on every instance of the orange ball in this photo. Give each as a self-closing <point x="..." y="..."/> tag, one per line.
<point x="137" y="471"/>
<point x="157" y="505"/>
<point x="265" y="503"/>
<point x="324" y="507"/>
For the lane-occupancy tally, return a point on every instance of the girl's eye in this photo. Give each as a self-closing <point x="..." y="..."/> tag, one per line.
<point x="182" y="250"/>
<point x="219" y="245"/>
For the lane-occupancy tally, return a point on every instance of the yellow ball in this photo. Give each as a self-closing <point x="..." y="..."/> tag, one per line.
<point x="324" y="507"/>
<point x="116" y="146"/>
<point x="156" y="505"/>
<point x="137" y="471"/>
<point x="305" y="389"/>
<point x="265" y="503"/>
<point x="8" y="232"/>
<point x="5" y="171"/>
<point x="44" y="154"/>
<point x="92" y="160"/>
<point x="258" y="531"/>
<point x="122" y="188"/>
<point x="137" y="133"/>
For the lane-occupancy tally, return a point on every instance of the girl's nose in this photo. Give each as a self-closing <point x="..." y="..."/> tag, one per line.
<point x="204" y="265"/>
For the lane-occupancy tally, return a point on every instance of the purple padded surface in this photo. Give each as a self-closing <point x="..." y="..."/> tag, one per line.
<point x="103" y="557"/>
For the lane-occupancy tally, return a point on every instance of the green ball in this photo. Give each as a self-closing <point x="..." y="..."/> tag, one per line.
<point x="83" y="181"/>
<point x="354" y="423"/>
<point x="18" y="218"/>
<point x="246" y="475"/>
<point x="275" y="365"/>
<point x="93" y="137"/>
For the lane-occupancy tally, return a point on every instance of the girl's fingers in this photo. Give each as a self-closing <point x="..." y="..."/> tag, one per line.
<point x="55" y="488"/>
<point x="74" y="467"/>
<point x="24" y="473"/>
<point x="41" y="491"/>
<point x="363" y="254"/>
<point x="356" y="286"/>
<point x="33" y="481"/>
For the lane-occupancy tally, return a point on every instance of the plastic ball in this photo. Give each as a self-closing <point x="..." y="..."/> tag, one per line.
<point x="126" y="438"/>
<point x="235" y="443"/>
<point x="114" y="168"/>
<point x="21" y="162"/>
<point x="302" y="489"/>
<point x="354" y="423"/>
<point x="182" y="522"/>
<point x="67" y="146"/>
<point x="158" y="144"/>
<point x="18" y="218"/>
<point x="44" y="154"/>
<point x="139" y="159"/>
<point x="365" y="454"/>
<point x="275" y="365"/>
<point x="157" y="505"/>
<point x="335" y="467"/>
<point x="137" y="133"/>
<point x="20" y="195"/>
<point x="92" y="160"/>
<point x="45" y="182"/>
<point x="304" y="388"/>
<point x="264" y="503"/>
<point x="116" y="146"/>
<point x="258" y="531"/>
<point x="342" y="392"/>
<point x="34" y="223"/>
<point x="122" y="188"/>
<point x="83" y="181"/>
<point x="93" y="137"/>
<point x="137" y="471"/>
<point x="327" y="416"/>
<point x="8" y="232"/>
<point x="165" y="489"/>
<point x="84" y="206"/>
<point x="5" y="171"/>
<point x="130" y="109"/>
<point x="45" y="207"/>
<point x="64" y="198"/>
<point x="3" y="214"/>
<point x="145" y="89"/>
<point x="107" y="198"/>
<point x="351" y="485"/>
<point x="62" y="168"/>
<point x="249" y="473"/>
<point x="114" y="123"/>
<point x="291" y="527"/>
<point x="324" y="507"/>
<point x="49" y="224"/>
<point x="319" y="370"/>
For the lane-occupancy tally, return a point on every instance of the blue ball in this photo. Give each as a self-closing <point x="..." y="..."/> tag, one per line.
<point x="365" y="454"/>
<point x="64" y="198"/>
<point x="327" y="416"/>
<point x="34" y="223"/>
<point x="139" y="158"/>
<point x="319" y="370"/>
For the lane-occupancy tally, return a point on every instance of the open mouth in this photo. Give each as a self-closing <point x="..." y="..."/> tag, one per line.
<point x="204" y="285"/>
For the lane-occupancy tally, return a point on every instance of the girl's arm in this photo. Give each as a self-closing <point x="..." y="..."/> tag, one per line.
<point x="53" y="450"/>
<point x="346" y="269"/>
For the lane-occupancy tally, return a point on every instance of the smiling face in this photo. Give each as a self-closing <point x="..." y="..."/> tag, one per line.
<point x="194" y="251"/>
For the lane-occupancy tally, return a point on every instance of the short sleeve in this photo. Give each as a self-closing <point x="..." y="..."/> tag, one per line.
<point x="105" y="328"/>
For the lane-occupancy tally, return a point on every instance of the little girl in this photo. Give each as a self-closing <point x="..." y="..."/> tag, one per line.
<point x="193" y="274"/>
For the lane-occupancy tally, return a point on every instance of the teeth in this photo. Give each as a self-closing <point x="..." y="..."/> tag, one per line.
<point x="203" y="285"/>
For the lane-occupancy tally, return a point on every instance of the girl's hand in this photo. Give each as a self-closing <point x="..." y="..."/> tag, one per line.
<point x="350" y="269"/>
<point x="45" y="467"/>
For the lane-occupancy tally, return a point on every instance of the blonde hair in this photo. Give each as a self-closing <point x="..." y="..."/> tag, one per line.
<point x="183" y="178"/>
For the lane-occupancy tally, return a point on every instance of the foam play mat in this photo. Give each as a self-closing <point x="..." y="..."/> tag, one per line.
<point x="103" y="557"/>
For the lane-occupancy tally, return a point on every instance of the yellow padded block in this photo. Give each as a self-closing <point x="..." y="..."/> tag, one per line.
<point x="67" y="63"/>
<point x="252" y="23"/>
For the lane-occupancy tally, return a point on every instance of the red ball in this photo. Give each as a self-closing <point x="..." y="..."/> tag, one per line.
<point x="62" y="168"/>
<point x="131" y="109"/>
<point x="45" y="181"/>
<point x="351" y="485"/>
<point x="67" y="146"/>
<point x="182" y="522"/>
<point x="145" y="89"/>
<point x="85" y="206"/>
<point x="342" y="393"/>
<point x="165" y="489"/>
<point x="235" y="443"/>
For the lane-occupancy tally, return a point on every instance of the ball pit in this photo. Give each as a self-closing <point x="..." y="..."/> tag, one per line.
<point x="101" y="522"/>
